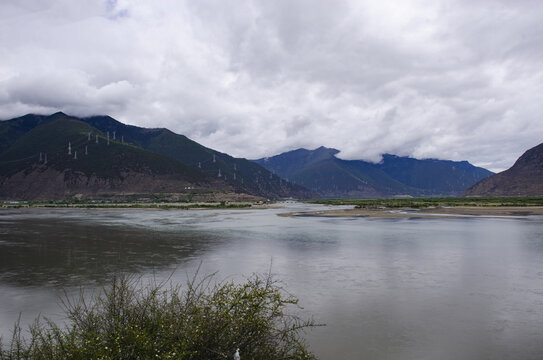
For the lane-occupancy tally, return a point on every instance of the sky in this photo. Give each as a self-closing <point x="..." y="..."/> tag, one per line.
<point x="446" y="79"/>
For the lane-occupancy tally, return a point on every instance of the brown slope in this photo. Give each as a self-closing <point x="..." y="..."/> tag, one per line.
<point x="524" y="178"/>
<point x="46" y="183"/>
<point x="101" y="168"/>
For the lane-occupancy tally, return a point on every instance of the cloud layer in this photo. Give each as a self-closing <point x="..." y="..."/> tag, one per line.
<point x="457" y="80"/>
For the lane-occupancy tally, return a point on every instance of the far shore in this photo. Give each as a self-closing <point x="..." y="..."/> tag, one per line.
<point x="136" y="205"/>
<point x="441" y="212"/>
<point x="332" y="211"/>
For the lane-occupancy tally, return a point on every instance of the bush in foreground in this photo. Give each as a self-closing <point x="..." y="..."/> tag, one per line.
<point x="203" y="321"/>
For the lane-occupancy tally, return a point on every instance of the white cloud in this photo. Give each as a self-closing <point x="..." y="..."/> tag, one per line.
<point x="446" y="79"/>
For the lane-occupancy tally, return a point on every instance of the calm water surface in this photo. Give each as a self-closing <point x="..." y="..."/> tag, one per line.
<point x="469" y="288"/>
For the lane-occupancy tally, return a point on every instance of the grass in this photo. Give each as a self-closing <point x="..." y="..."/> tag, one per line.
<point x="204" y="320"/>
<point x="128" y="205"/>
<point x="416" y="203"/>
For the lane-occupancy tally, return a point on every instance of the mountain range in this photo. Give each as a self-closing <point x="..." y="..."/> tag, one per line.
<point x="60" y="156"/>
<point x="524" y="178"/>
<point x="322" y="172"/>
<point x="47" y="157"/>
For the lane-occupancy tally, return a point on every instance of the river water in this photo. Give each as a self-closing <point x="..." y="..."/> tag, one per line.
<point x="465" y="288"/>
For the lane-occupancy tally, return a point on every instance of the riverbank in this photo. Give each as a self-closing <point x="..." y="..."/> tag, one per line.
<point x="432" y="212"/>
<point x="108" y="205"/>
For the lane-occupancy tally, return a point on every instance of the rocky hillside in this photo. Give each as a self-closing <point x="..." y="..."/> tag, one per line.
<point x="524" y="178"/>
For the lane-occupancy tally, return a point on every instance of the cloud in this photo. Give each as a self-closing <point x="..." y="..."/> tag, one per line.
<point x="447" y="79"/>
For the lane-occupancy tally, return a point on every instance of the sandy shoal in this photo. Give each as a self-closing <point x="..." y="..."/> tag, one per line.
<point x="457" y="211"/>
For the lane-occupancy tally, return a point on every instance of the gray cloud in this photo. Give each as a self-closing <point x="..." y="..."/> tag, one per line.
<point x="447" y="79"/>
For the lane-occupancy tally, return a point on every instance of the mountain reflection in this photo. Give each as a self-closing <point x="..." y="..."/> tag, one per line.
<point x="66" y="252"/>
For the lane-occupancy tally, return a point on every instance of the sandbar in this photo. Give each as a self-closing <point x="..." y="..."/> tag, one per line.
<point x="433" y="212"/>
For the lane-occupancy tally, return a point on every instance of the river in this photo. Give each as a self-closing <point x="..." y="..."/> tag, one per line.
<point x="464" y="288"/>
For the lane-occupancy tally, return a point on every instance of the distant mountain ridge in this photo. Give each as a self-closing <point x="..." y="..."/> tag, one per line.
<point x="524" y="178"/>
<point x="321" y="171"/>
<point x="61" y="156"/>
<point x="241" y="173"/>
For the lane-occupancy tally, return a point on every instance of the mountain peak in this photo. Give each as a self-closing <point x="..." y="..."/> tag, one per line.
<point x="58" y="114"/>
<point x="323" y="149"/>
<point x="317" y="152"/>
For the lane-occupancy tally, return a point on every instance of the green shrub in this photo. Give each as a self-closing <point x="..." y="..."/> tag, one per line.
<point x="203" y="321"/>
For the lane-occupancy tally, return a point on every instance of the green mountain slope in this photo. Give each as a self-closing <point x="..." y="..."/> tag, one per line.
<point x="62" y="156"/>
<point x="11" y="130"/>
<point x="240" y="173"/>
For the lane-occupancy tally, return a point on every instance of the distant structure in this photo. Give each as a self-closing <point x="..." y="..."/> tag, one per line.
<point x="75" y="155"/>
<point x="69" y="148"/>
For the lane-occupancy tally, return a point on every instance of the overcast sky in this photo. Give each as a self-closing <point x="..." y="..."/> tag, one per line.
<point x="459" y="80"/>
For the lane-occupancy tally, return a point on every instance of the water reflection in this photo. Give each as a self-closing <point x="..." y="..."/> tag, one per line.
<point x="467" y="288"/>
<point x="66" y="252"/>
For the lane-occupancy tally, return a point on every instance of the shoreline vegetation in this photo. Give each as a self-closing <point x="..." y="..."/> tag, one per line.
<point x="418" y="203"/>
<point x="429" y="207"/>
<point x="204" y="319"/>
<point x="192" y="199"/>
<point x="374" y="208"/>
<point x="128" y="205"/>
